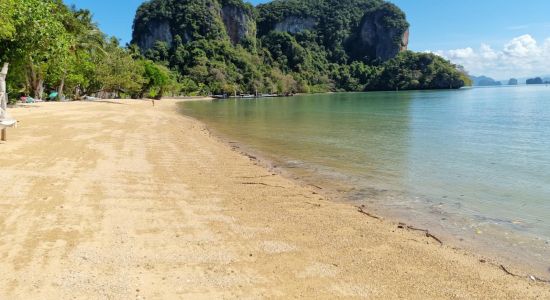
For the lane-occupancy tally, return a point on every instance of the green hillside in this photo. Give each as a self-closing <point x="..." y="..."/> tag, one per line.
<point x="287" y="46"/>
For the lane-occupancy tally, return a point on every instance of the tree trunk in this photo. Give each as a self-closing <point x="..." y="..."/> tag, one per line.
<point x="38" y="88"/>
<point x="36" y="82"/>
<point x="3" y="99"/>
<point x="61" y="87"/>
<point x="3" y="91"/>
<point x="77" y="93"/>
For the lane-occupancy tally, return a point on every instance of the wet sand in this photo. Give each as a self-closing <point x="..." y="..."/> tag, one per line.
<point x="120" y="199"/>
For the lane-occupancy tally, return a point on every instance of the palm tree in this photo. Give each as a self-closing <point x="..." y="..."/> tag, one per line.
<point x="86" y="37"/>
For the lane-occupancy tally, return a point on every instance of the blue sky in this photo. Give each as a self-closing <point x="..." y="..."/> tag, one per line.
<point x="483" y="35"/>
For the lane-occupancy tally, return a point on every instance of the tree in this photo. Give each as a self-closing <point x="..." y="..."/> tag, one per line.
<point x="118" y="73"/>
<point x="37" y="41"/>
<point x="86" y="43"/>
<point x="410" y="70"/>
<point x="7" y="22"/>
<point x="158" y="79"/>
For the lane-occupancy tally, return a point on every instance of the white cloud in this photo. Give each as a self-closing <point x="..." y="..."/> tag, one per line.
<point x="465" y="53"/>
<point x="522" y="46"/>
<point x="522" y="56"/>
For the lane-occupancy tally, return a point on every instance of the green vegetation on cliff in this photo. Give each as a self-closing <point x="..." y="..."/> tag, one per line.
<point x="226" y="46"/>
<point x="216" y="46"/>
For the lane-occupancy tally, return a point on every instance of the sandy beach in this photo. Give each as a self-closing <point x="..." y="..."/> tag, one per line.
<point x="120" y="199"/>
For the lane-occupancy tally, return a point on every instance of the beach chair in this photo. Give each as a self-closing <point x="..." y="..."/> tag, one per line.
<point x="5" y="122"/>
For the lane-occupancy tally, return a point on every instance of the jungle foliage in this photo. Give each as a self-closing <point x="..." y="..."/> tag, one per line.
<point x="319" y="58"/>
<point x="53" y="47"/>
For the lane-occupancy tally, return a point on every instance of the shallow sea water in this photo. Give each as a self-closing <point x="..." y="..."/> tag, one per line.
<point x="472" y="165"/>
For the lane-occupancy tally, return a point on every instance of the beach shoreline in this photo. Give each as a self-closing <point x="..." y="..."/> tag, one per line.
<point x="135" y="199"/>
<point x="522" y="251"/>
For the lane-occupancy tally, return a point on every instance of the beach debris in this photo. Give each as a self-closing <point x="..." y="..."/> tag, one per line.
<point x="253" y="177"/>
<point x="314" y="204"/>
<point x="426" y="232"/>
<point x="252" y="157"/>
<point x="538" y="279"/>
<point x="503" y="268"/>
<point x="361" y="210"/>
<point x="433" y="237"/>
<point x="315" y="186"/>
<point x="532" y="277"/>
<point x="261" y="183"/>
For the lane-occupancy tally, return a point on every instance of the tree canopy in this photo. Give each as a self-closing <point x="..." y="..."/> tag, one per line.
<point x="53" y="47"/>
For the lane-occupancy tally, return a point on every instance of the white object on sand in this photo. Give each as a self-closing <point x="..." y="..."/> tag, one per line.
<point x="7" y="123"/>
<point x="5" y="120"/>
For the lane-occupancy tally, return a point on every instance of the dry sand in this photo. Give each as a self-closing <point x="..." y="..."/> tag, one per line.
<point x="122" y="200"/>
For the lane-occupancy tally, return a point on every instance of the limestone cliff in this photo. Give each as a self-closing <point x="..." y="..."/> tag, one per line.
<point x="156" y="30"/>
<point x="364" y="30"/>
<point x="163" y="20"/>
<point x="238" y="21"/>
<point x="383" y="33"/>
<point x="381" y="40"/>
<point x="226" y="46"/>
<point x="369" y="30"/>
<point x="295" y="24"/>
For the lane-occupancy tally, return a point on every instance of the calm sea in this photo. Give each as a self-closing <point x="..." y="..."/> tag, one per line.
<point x="472" y="165"/>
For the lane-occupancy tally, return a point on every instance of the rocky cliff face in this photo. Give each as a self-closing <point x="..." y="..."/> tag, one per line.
<point x="163" y="20"/>
<point x="155" y="31"/>
<point x="367" y="29"/>
<point x="385" y="42"/>
<point x="383" y="35"/>
<point x="296" y="24"/>
<point x="238" y="23"/>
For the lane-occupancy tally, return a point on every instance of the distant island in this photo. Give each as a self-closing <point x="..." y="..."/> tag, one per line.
<point x="488" y="81"/>
<point x="537" y="80"/>
<point x="484" y="81"/>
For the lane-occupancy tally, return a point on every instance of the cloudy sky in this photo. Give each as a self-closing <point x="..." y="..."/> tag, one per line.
<point x="497" y="38"/>
<point x="522" y="56"/>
